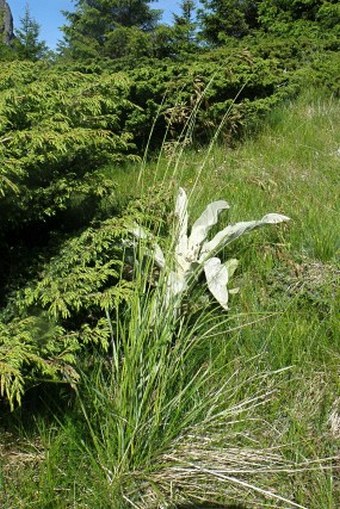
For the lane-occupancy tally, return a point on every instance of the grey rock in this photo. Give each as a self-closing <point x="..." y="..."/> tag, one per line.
<point x="6" y="22"/>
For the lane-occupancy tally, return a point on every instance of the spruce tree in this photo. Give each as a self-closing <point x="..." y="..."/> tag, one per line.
<point x="27" y="43"/>
<point x="231" y="18"/>
<point x="93" y="22"/>
<point x="187" y="8"/>
<point x="185" y="26"/>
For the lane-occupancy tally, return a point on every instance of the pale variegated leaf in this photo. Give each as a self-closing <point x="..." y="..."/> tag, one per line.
<point x="181" y="212"/>
<point x="159" y="257"/>
<point x="234" y="231"/>
<point x="193" y="253"/>
<point x="217" y="278"/>
<point x="203" y="225"/>
<point x="176" y="284"/>
<point x="138" y="232"/>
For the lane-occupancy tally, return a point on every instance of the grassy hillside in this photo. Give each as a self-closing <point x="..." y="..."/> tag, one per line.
<point x="237" y="407"/>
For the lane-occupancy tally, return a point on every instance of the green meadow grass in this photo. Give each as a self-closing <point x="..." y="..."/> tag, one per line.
<point x="239" y="408"/>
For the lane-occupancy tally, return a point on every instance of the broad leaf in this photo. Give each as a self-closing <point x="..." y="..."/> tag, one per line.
<point x="203" y="225"/>
<point x="176" y="285"/>
<point x="159" y="257"/>
<point x="217" y="278"/>
<point x="234" y="231"/>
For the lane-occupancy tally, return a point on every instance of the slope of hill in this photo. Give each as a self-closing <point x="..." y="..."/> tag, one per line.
<point x="240" y="406"/>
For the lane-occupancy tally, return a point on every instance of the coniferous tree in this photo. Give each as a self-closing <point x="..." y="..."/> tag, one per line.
<point x="187" y="8"/>
<point x="276" y="13"/>
<point x="221" y="18"/>
<point x="7" y="53"/>
<point x="185" y="25"/>
<point x="93" y="23"/>
<point x="27" y="43"/>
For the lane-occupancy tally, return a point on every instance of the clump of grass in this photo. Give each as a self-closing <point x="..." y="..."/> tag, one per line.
<point x="162" y="414"/>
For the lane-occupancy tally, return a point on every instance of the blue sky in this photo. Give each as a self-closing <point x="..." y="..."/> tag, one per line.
<point x="47" y="14"/>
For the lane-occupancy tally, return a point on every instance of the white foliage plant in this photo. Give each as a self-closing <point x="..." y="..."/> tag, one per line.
<point x="194" y="253"/>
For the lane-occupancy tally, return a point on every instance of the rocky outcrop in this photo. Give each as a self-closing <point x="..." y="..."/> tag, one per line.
<point x="6" y="22"/>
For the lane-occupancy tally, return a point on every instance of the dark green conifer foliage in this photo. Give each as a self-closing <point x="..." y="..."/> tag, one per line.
<point x="52" y="320"/>
<point x="27" y="44"/>
<point x="280" y="15"/>
<point x="7" y="53"/>
<point x="221" y="18"/>
<point x="185" y="26"/>
<point x="92" y="25"/>
<point x="57" y="129"/>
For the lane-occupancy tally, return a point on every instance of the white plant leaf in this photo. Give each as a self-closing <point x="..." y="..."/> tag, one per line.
<point x="181" y="212"/>
<point x="138" y="232"/>
<point x="176" y="285"/>
<point x="234" y="231"/>
<point x="159" y="257"/>
<point x="217" y="278"/>
<point x="193" y="253"/>
<point x="203" y="225"/>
